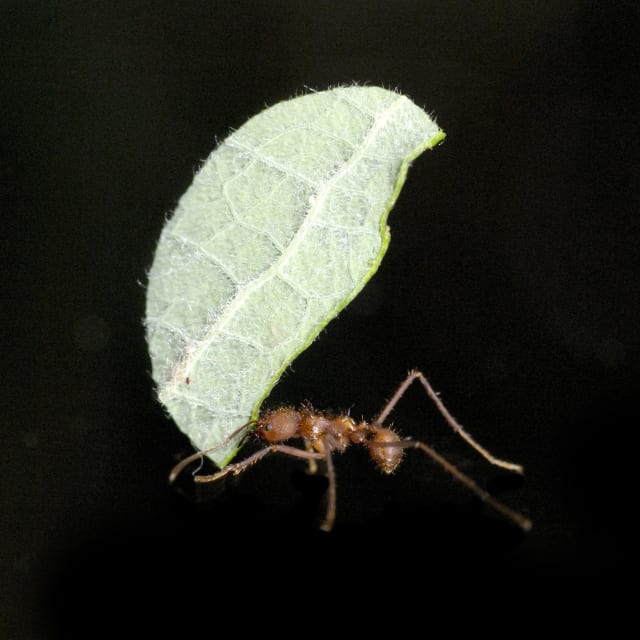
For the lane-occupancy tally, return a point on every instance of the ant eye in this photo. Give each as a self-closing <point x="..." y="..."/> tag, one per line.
<point x="268" y="426"/>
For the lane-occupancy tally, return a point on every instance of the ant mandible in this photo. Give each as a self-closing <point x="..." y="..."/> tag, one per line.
<point x="324" y="434"/>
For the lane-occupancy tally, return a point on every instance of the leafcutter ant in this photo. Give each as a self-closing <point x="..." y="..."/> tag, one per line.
<point x="324" y="434"/>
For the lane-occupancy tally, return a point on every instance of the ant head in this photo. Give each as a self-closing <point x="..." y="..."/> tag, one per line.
<point x="278" y="425"/>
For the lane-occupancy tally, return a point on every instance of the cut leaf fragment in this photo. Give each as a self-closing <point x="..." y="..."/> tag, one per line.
<point x="281" y="228"/>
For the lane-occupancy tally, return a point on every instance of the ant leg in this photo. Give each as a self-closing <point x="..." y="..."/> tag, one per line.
<point x="312" y="456"/>
<point x="239" y="467"/>
<point x="235" y="468"/>
<point x="451" y="421"/>
<point x="523" y="522"/>
<point x="199" y="454"/>
<point x="294" y="452"/>
<point x="330" y="516"/>
<point x="312" y="465"/>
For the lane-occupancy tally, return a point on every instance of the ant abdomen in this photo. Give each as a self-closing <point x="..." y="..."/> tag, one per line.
<point x="387" y="458"/>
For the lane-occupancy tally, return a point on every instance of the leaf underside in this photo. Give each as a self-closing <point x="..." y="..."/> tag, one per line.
<point x="281" y="228"/>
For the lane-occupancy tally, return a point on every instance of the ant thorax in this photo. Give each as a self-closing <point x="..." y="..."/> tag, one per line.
<point x="320" y="430"/>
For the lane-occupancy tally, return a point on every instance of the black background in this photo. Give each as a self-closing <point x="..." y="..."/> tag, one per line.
<point x="511" y="281"/>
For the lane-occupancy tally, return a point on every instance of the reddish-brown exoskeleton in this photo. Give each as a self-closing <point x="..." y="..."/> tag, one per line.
<point x="324" y="434"/>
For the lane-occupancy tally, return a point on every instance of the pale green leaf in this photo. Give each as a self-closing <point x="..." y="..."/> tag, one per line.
<point x="281" y="228"/>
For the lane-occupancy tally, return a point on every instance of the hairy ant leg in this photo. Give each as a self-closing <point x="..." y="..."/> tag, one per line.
<point x="239" y="467"/>
<point x="198" y="455"/>
<point x="312" y="466"/>
<point x="523" y="522"/>
<point x="451" y="421"/>
<point x="330" y="515"/>
<point x="311" y="456"/>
